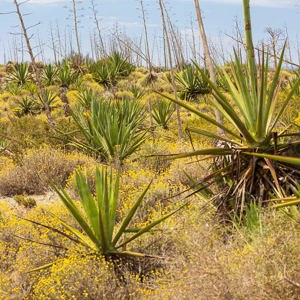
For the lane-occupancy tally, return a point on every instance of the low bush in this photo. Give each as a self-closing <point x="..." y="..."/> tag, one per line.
<point x="25" y="132"/>
<point x="39" y="169"/>
<point x="25" y="201"/>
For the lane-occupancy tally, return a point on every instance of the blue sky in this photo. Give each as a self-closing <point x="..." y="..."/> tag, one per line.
<point x="219" y="16"/>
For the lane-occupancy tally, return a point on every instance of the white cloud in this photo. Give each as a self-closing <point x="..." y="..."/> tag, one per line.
<point x="264" y="3"/>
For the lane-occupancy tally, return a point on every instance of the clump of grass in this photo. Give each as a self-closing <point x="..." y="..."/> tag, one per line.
<point x="25" y="201"/>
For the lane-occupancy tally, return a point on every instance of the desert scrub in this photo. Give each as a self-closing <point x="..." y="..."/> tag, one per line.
<point x="232" y="268"/>
<point x="124" y="95"/>
<point x="38" y="170"/>
<point x="151" y="155"/>
<point x="98" y="88"/>
<point x="25" y="132"/>
<point x="7" y="103"/>
<point x="83" y="278"/>
<point x="20" y="250"/>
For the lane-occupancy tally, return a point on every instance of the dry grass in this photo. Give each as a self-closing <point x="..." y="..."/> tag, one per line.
<point x="201" y="260"/>
<point x="38" y="170"/>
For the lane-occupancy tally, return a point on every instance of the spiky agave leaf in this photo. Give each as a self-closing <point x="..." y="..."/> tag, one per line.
<point x="112" y="130"/>
<point x="250" y="108"/>
<point x="162" y="113"/>
<point x="96" y="228"/>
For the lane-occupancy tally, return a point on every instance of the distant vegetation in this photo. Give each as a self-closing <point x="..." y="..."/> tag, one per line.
<point x="127" y="181"/>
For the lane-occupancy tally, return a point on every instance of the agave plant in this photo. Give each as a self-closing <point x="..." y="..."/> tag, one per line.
<point x="20" y="74"/>
<point x="137" y="92"/>
<point x="103" y="74"/>
<point x="14" y="89"/>
<point x="27" y="106"/>
<point x="123" y="67"/>
<point x="49" y="74"/>
<point x="162" y="113"/>
<point x="85" y="97"/>
<point x="112" y="130"/>
<point x="192" y="84"/>
<point x="66" y="76"/>
<point x="243" y="161"/>
<point x="47" y="99"/>
<point x="107" y="71"/>
<point x="96" y="227"/>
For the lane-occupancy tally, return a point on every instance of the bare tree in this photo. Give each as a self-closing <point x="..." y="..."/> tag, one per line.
<point x="275" y="37"/>
<point x="239" y="37"/>
<point x="98" y="27"/>
<point x="288" y="44"/>
<point x="193" y="46"/>
<point x="208" y="59"/>
<point x="32" y="58"/>
<point x="149" y="61"/>
<point x="262" y="51"/>
<point x="75" y="19"/>
<point x="168" y="44"/>
<point x="53" y="45"/>
<point x="175" y="39"/>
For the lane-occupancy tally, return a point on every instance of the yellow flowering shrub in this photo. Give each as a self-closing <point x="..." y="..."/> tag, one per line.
<point x="72" y="97"/>
<point x="87" y="77"/>
<point x="98" y="88"/>
<point x="124" y="95"/>
<point x="297" y="120"/>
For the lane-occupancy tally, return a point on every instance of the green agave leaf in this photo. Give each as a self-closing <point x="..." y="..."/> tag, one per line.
<point x="210" y="151"/>
<point x="88" y="202"/>
<point x="281" y="158"/>
<point x="260" y="126"/>
<point x="200" y="188"/>
<point x="83" y="239"/>
<point x="212" y="135"/>
<point x="151" y="225"/>
<point x="77" y="215"/>
<point x="44" y="267"/>
<point x="130" y="215"/>
<point x="201" y="115"/>
<point x="244" y="99"/>
<point x="53" y="229"/>
<point x="100" y="194"/>
<point x="113" y="201"/>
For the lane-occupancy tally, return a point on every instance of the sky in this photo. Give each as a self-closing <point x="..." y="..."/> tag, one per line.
<point x="219" y="18"/>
